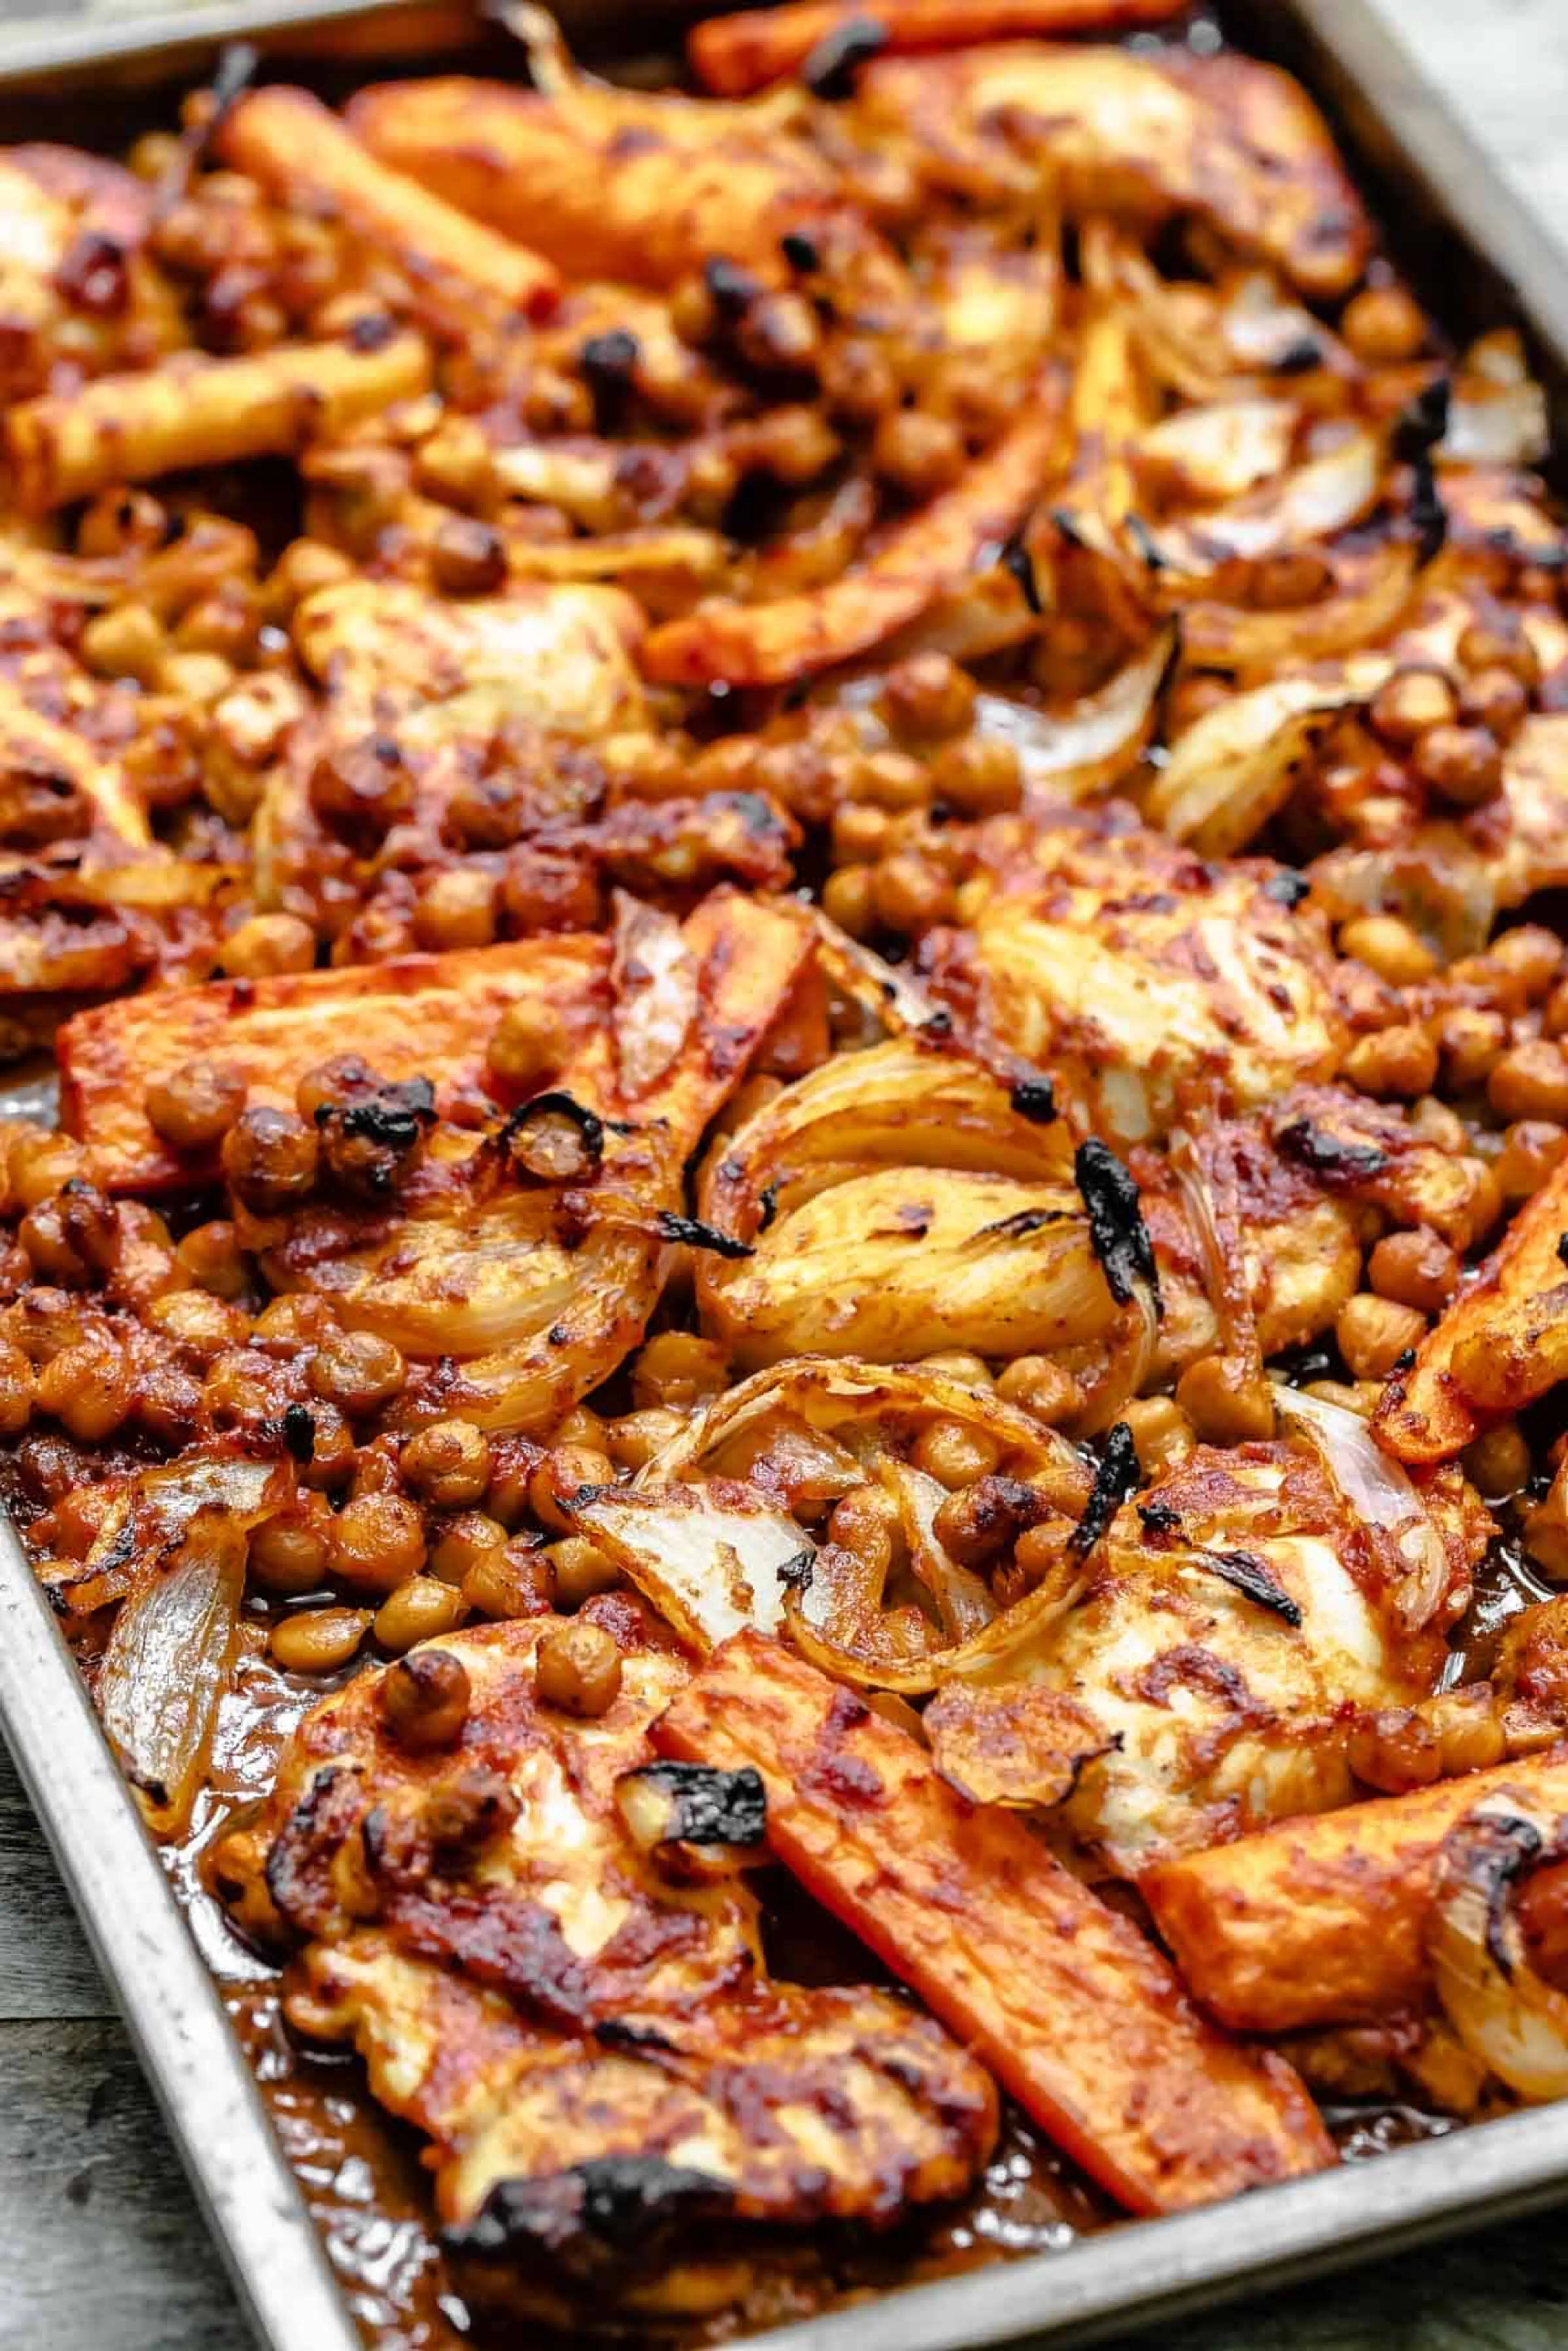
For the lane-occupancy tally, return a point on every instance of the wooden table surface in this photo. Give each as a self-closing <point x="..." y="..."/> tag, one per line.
<point x="100" y="2247"/>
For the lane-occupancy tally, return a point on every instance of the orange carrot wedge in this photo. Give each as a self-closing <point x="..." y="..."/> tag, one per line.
<point x="1077" y="2015"/>
<point x="733" y="56"/>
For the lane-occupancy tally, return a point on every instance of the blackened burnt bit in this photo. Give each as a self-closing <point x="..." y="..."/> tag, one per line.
<point x="594" y="2220"/>
<point x="1253" y="1579"/>
<point x="709" y="1806"/>
<point x="1116" y="1225"/>
<point x="1116" y="1476"/>
<point x="830" y="69"/>
<point x="1033" y="1097"/>
<point x="1329" y="1158"/>
<point x="697" y="1235"/>
<point x="300" y="1433"/>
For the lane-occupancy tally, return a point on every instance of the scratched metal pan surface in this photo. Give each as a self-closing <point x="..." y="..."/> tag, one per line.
<point x="1480" y="258"/>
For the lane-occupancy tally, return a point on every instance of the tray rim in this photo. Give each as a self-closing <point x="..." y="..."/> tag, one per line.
<point x="1129" y="2276"/>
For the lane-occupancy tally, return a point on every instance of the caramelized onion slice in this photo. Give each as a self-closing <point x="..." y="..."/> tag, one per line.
<point x="1379" y="1490"/>
<point x="1079" y="753"/>
<point x="710" y="1558"/>
<point x="1235" y="768"/>
<point x="1506" y="2014"/>
<point x="169" y="1656"/>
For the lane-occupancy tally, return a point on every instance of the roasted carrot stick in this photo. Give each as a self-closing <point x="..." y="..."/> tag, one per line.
<point x="296" y="146"/>
<point x="423" y="1015"/>
<point x="1076" y="2014"/>
<point x="770" y="644"/>
<point x="1324" y="1920"/>
<point x="202" y="411"/>
<point x="1500" y="1344"/>
<point x="735" y="54"/>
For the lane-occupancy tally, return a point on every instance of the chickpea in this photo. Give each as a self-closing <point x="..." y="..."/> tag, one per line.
<point x="267" y="945"/>
<point x="1390" y="947"/>
<point x="917" y="453"/>
<point x="1162" y="1433"/>
<point x="1460" y="764"/>
<point x="1554" y="1014"/>
<point x="1528" y="958"/>
<point x="210" y="1257"/>
<point x="49" y="1249"/>
<point x="1497" y="700"/>
<point x="1497" y="1463"/>
<point x="633" y="1440"/>
<point x="528" y="1045"/>
<point x="167" y="1404"/>
<point x="892" y="781"/>
<point x="577" y="1667"/>
<point x="417" y="1611"/>
<point x="861" y="833"/>
<point x="447" y="1464"/>
<point x="1531" y="1149"/>
<point x="455" y="465"/>
<point x="1374" y="1333"/>
<point x="910" y="894"/>
<point x="270" y="1158"/>
<point x="356" y="1371"/>
<point x="977" y="775"/>
<point x="1407" y="705"/>
<point x="580" y="1569"/>
<point x="1531" y="1082"/>
<point x="927" y="698"/>
<point x="319" y="1640"/>
<point x="678" y="1370"/>
<point x="457" y="909"/>
<point x="510" y="1584"/>
<point x="467" y="557"/>
<point x="288" y="1554"/>
<point x="859" y="382"/>
<point x="305" y="565"/>
<point x="1397" y="1062"/>
<point x="562" y="1473"/>
<point x="960" y="1364"/>
<point x="1466" y="1725"/>
<point x="1041" y="1387"/>
<point x="1470" y="1042"/>
<point x="127" y="641"/>
<point x="40" y="1164"/>
<point x="366" y="785"/>
<point x="378" y="1542"/>
<point x="513" y="1461"/>
<point x="17" y="1389"/>
<point x="1226" y="1401"/>
<point x="1500" y="644"/>
<point x="426" y="1697"/>
<point x="287" y="1327"/>
<point x="195" y="677"/>
<point x="1414" y="1268"/>
<point x="201" y="1326"/>
<point x="197" y="1104"/>
<point x="849" y="900"/>
<point x="1383" y="326"/>
<point x="458" y="1544"/>
<point x="955" y="1456"/>
<point x="88" y="1388"/>
<point x="1395" y="1749"/>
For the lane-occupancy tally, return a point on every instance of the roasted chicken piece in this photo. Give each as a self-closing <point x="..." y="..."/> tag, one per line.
<point x="627" y="2113"/>
<point x="1230" y="1624"/>
<point x="608" y="183"/>
<point x="1232" y="143"/>
<point x="1141" y="978"/>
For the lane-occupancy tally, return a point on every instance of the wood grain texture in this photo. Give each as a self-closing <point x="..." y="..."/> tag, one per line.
<point x="100" y="2246"/>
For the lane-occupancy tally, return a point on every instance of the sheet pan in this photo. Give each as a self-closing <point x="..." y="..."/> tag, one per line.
<point x="1480" y="258"/>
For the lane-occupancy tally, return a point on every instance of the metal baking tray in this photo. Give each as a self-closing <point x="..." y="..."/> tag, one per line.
<point x="1480" y="258"/>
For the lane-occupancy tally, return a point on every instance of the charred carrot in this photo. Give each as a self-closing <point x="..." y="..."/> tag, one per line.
<point x="770" y="644"/>
<point x="733" y="56"/>
<point x="419" y="1015"/>
<point x="293" y="144"/>
<point x="1324" y="1920"/>
<point x="1502" y="1343"/>
<point x="1078" y="2016"/>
